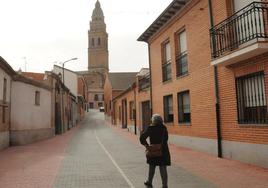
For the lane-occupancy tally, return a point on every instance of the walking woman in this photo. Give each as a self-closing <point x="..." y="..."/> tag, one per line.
<point x="157" y="132"/>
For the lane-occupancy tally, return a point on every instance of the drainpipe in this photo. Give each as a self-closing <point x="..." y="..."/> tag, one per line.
<point x="135" y="111"/>
<point x="151" y="89"/>
<point x="216" y="81"/>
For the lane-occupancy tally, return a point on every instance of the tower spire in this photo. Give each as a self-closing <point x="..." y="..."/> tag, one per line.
<point x="97" y="40"/>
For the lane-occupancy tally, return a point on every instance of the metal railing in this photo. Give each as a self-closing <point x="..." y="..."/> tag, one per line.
<point x="247" y="24"/>
<point x="144" y="82"/>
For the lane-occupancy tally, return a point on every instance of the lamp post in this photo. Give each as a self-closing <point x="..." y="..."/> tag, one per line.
<point x="75" y="58"/>
<point x="63" y="63"/>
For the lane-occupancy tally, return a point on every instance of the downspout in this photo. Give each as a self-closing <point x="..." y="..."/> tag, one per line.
<point x="151" y="89"/>
<point x="135" y="110"/>
<point x="216" y="81"/>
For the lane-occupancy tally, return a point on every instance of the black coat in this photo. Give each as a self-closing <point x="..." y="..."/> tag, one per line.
<point x="157" y="133"/>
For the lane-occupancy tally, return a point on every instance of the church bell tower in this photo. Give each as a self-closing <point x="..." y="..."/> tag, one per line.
<point x="98" y="41"/>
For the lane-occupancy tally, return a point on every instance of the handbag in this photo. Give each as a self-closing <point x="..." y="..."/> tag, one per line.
<point x="155" y="150"/>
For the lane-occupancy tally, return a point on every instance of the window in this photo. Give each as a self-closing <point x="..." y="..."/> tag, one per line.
<point x="96" y="97"/>
<point x="91" y="105"/>
<point x="181" y="54"/>
<point x="184" y="107"/>
<point x="101" y="98"/>
<point x="166" y="61"/>
<point x="92" y="42"/>
<point x="37" y="98"/>
<point x="99" y="41"/>
<point x="5" y="90"/>
<point x="251" y="99"/>
<point x="132" y="110"/>
<point x="168" y="108"/>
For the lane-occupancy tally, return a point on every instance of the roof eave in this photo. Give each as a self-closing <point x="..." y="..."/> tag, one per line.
<point x="164" y="17"/>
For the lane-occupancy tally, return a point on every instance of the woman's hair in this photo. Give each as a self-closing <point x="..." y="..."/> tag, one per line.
<point x="156" y="118"/>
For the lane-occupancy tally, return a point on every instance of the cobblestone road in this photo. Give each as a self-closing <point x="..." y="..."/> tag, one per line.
<point x="99" y="157"/>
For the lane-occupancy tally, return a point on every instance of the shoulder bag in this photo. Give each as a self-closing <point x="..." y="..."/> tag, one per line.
<point x="155" y="150"/>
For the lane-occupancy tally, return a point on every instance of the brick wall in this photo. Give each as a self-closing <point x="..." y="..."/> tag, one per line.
<point x="200" y="79"/>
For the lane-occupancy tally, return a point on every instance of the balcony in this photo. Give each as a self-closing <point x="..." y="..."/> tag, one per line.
<point x="241" y="36"/>
<point x="144" y="82"/>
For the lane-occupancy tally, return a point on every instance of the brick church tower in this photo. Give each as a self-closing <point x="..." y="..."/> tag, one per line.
<point x="98" y="65"/>
<point x="98" y="41"/>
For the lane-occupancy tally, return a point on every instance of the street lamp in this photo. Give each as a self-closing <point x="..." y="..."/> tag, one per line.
<point x="75" y="58"/>
<point x="63" y="63"/>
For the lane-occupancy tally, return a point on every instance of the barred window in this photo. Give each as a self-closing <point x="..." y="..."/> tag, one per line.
<point x="181" y="54"/>
<point x="166" y="61"/>
<point x="184" y="107"/>
<point x="251" y="99"/>
<point x="168" y="108"/>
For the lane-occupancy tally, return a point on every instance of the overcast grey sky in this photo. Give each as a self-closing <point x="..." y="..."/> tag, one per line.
<point x="48" y="31"/>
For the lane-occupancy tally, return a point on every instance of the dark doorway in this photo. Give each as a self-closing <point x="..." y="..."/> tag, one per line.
<point x="146" y="114"/>
<point x="57" y="119"/>
<point x="124" y="113"/>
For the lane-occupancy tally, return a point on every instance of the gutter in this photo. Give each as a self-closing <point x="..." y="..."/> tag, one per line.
<point x="216" y="81"/>
<point x="151" y="87"/>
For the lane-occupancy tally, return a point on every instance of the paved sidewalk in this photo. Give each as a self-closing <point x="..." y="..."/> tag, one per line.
<point x="34" y="165"/>
<point x="223" y="173"/>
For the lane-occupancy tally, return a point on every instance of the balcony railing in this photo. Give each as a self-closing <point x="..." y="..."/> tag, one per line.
<point x="248" y="24"/>
<point x="144" y="82"/>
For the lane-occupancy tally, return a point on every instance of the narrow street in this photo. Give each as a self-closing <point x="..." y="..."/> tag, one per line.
<point x="98" y="157"/>
<point x="95" y="154"/>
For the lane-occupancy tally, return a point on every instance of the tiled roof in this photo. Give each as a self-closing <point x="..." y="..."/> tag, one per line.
<point x="34" y="76"/>
<point x="122" y="80"/>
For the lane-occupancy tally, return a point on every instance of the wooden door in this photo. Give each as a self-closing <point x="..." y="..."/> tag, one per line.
<point x="146" y="114"/>
<point x="124" y="113"/>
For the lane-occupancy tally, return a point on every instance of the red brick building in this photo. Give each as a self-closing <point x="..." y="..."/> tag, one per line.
<point x="213" y="84"/>
<point x="115" y="83"/>
<point x="131" y="108"/>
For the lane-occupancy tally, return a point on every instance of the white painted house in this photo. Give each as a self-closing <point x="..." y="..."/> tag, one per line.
<point x="31" y="111"/>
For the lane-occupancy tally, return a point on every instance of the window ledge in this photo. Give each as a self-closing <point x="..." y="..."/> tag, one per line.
<point x="167" y="81"/>
<point x="170" y="123"/>
<point x="185" y="124"/>
<point x="252" y="125"/>
<point x="182" y="76"/>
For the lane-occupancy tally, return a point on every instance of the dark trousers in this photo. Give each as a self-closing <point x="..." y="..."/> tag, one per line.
<point x="163" y="173"/>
